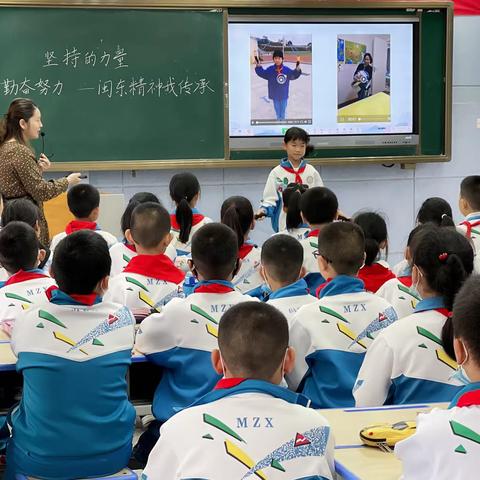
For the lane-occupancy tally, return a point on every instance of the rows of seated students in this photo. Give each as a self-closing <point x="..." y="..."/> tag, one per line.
<point x="313" y="319"/>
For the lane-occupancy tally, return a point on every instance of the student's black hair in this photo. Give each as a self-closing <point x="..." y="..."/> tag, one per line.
<point x="20" y="210"/>
<point x="436" y="210"/>
<point x="18" y="247"/>
<point x="375" y="230"/>
<point x="282" y="257"/>
<point x="369" y="55"/>
<point x="296" y="133"/>
<point x="82" y="199"/>
<point x="342" y="244"/>
<point x="445" y="258"/>
<point x="215" y="251"/>
<point x="150" y="224"/>
<point x="80" y="261"/>
<point x="183" y="188"/>
<point x="237" y="213"/>
<point x="466" y="316"/>
<point x="277" y="53"/>
<point x="253" y="339"/>
<point x="291" y="200"/>
<point x="319" y="205"/>
<point x="137" y="199"/>
<point x="470" y="191"/>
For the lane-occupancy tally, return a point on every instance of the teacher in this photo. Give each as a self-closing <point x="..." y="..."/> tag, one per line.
<point x="20" y="171"/>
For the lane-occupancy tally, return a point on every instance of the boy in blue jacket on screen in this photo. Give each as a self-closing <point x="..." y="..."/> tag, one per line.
<point x="278" y="76"/>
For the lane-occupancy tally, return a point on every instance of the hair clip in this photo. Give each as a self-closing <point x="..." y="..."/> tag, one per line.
<point x="443" y="256"/>
<point x="450" y="314"/>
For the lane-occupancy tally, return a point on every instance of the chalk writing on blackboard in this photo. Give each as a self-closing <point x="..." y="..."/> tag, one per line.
<point x="27" y="86"/>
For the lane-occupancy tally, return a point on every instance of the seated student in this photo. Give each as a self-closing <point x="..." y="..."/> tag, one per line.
<point x="20" y="255"/>
<point x="375" y="272"/>
<point x="237" y="213"/>
<point x="319" y="207"/>
<point x="399" y="290"/>
<point x="150" y="280"/>
<point x="181" y="337"/>
<point x="332" y="335"/>
<point x="469" y="204"/>
<point x="247" y="415"/>
<point x="445" y="444"/>
<point x="122" y="252"/>
<point x="296" y="227"/>
<point x="282" y="259"/>
<point x="84" y="203"/>
<point x="407" y="362"/>
<point x="73" y="350"/>
<point x="185" y="192"/>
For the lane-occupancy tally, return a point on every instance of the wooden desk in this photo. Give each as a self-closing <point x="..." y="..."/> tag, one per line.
<point x="355" y="461"/>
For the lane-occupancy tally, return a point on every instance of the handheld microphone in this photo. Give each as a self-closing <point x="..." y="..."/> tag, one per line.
<point x="42" y="134"/>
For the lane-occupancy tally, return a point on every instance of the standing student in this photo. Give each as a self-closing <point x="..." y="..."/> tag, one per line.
<point x="74" y="351"/>
<point x="375" y="272"/>
<point x="237" y="213"/>
<point x="292" y="169"/>
<point x="278" y="77"/>
<point x="181" y="338"/>
<point x="445" y="444"/>
<point x="407" y="362"/>
<point x="332" y="335"/>
<point x="122" y="252"/>
<point x="282" y="269"/>
<point x="295" y="226"/>
<point x="185" y="192"/>
<point x="247" y="415"/>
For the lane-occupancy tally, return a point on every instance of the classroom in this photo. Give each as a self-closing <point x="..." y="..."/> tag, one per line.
<point x="238" y="240"/>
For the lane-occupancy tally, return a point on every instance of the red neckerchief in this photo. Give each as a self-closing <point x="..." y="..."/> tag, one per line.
<point x="76" y="225"/>
<point x="87" y="299"/>
<point x="225" y="383"/>
<point x="197" y="218"/>
<point x="131" y="247"/>
<point x="297" y="173"/>
<point x="313" y="233"/>
<point x="468" y="399"/>
<point x="245" y="249"/>
<point x="469" y="226"/>
<point x="321" y="287"/>
<point x="155" y="266"/>
<point x="444" y="311"/>
<point x="23" y="276"/>
<point x="374" y="276"/>
<point x="213" y="288"/>
<point x="407" y="281"/>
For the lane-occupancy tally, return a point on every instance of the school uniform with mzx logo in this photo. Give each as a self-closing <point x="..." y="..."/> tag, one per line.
<point x="277" y="182"/>
<point x="248" y="278"/>
<point x="470" y="228"/>
<point x="146" y="284"/>
<point x="446" y="443"/>
<point x="399" y="292"/>
<point x="74" y="416"/>
<point x="313" y="276"/>
<point x="406" y="363"/>
<point x="199" y="221"/>
<point x="298" y="233"/>
<point x="244" y="429"/>
<point x="331" y="337"/>
<point x="180" y="339"/>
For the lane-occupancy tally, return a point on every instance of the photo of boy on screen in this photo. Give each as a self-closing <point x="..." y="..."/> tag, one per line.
<point x="274" y="98"/>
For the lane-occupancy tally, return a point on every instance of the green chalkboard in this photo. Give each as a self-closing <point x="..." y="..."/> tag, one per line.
<point x="118" y="84"/>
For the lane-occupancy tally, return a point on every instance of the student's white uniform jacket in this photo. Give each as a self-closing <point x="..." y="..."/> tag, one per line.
<point x="313" y="276"/>
<point x="446" y="444"/>
<point x="331" y="337"/>
<point x="299" y="233"/>
<point x="75" y="226"/>
<point x="399" y="294"/>
<point x="248" y="278"/>
<point x="122" y="252"/>
<point x="180" y="339"/>
<point x="470" y="227"/>
<point x="277" y="182"/>
<point x="146" y="284"/>
<point x="21" y="291"/>
<point x="74" y="352"/>
<point x="291" y="298"/>
<point x="198" y="222"/>
<point x="244" y="429"/>
<point x="406" y="363"/>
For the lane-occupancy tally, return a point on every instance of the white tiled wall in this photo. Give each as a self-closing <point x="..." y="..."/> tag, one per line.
<point x="396" y="193"/>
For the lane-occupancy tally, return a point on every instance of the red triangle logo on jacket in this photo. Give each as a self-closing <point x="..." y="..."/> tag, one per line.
<point x="301" y="440"/>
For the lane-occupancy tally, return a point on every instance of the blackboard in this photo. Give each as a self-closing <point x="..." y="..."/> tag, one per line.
<point x="118" y="84"/>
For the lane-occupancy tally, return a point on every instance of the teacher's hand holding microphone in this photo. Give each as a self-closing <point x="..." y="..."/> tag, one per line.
<point x="20" y="170"/>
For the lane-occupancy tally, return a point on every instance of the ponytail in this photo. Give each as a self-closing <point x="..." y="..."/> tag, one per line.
<point x="447" y="221"/>
<point x="184" y="187"/>
<point x="237" y="213"/>
<point x="375" y="230"/>
<point x="372" y="250"/>
<point x="291" y="200"/>
<point x="447" y="338"/>
<point x="450" y="277"/>
<point x="3" y="128"/>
